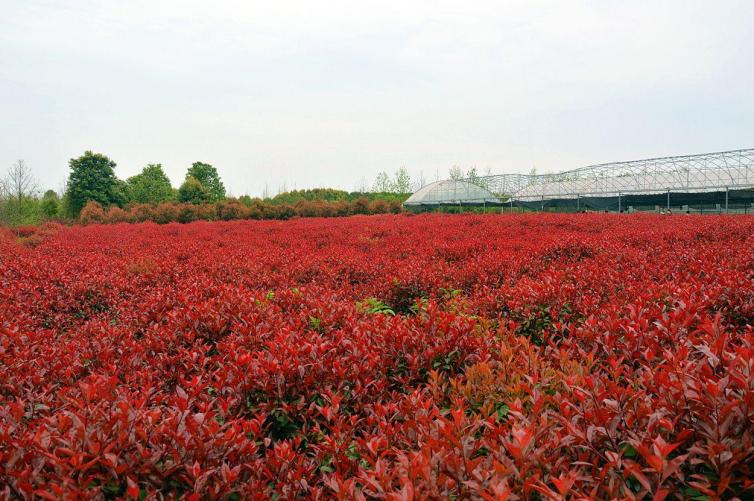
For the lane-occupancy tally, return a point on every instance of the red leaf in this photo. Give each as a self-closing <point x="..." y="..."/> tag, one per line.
<point x="133" y="489"/>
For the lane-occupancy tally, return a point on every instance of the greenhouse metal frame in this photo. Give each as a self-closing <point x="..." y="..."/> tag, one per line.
<point x="453" y="192"/>
<point x="710" y="172"/>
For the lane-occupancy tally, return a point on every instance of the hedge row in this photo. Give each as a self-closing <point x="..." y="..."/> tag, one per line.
<point x="228" y="210"/>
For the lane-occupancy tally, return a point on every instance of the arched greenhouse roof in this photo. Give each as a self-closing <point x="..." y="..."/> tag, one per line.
<point x="451" y="191"/>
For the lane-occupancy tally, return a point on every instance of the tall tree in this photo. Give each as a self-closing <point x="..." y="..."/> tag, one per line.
<point x="120" y="192"/>
<point x="455" y="173"/>
<point x="207" y="175"/>
<point x="382" y="184"/>
<point x="194" y="192"/>
<point x="151" y="186"/>
<point x="473" y="176"/>
<point x="20" y="182"/>
<point x="92" y="178"/>
<point x="402" y="182"/>
<point x="50" y="204"/>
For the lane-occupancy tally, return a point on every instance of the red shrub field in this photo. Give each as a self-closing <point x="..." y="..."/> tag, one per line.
<point x="380" y="357"/>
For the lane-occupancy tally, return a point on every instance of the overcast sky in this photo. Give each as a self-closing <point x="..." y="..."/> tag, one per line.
<point x="313" y="94"/>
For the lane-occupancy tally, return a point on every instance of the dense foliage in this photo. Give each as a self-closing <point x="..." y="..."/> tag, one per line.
<point x="395" y="357"/>
<point x="230" y="209"/>
<point x="92" y="178"/>
<point x="332" y="195"/>
<point x="209" y="178"/>
<point x="150" y="186"/>
<point x="95" y="194"/>
<point x="49" y="206"/>
<point x="27" y="211"/>
<point x="192" y="191"/>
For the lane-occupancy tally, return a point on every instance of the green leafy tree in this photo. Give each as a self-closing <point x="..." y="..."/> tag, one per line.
<point x="120" y="197"/>
<point x="18" y="196"/>
<point x="402" y="182"/>
<point x="208" y="176"/>
<point x="50" y="204"/>
<point x="194" y="192"/>
<point x="474" y="178"/>
<point x="383" y="184"/>
<point x="313" y="194"/>
<point x="15" y="213"/>
<point x="92" y="177"/>
<point x="455" y="173"/>
<point x="151" y="186"/>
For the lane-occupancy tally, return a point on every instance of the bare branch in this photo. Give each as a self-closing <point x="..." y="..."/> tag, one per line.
<point x="20" y="181"/>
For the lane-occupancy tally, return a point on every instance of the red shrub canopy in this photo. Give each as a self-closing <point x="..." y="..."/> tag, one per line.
<point x="379" y="357"/>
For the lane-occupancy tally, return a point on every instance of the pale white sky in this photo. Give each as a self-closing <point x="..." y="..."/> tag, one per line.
<point x="327" y="93"/>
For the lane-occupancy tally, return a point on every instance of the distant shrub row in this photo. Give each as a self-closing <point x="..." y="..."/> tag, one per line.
<point x="229" y="209"/>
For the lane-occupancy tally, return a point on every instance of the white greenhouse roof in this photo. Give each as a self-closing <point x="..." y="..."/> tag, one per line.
<point x="451" y="191"/>
<point x="688" y="173"/>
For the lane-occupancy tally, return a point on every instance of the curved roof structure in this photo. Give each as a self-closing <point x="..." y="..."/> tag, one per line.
<point x="451" y="191"/>
<point x="689" y="173"/>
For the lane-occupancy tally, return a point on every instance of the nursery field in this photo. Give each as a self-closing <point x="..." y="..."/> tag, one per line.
<point x="380" y="357"/>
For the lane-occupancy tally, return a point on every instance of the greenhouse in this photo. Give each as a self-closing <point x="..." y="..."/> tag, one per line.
<point x="452" y="192"/>
<point x="710" y="181"/>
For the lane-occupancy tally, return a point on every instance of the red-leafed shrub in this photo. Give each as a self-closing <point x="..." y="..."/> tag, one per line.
<point x="360" y="206"/>
<point x="188" y="213"/>
<point x="116" y="215"/>
<point x="307" y="208"/>
<point x="6" y="234"/>
<point x="341" y="208"/>
<point x="138" y="213"/>
<point x="25" y="231"/>
<point x="92" y="213"/>
<point x="230" y="210"/>
<point x="379" y="207"/>
<point x="167" y="212"/>
<point x="582" y="356"/>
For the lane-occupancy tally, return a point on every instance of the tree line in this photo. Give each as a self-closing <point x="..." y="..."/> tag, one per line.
<point x="92" y="179"/>
<point x="93" y="193"/>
